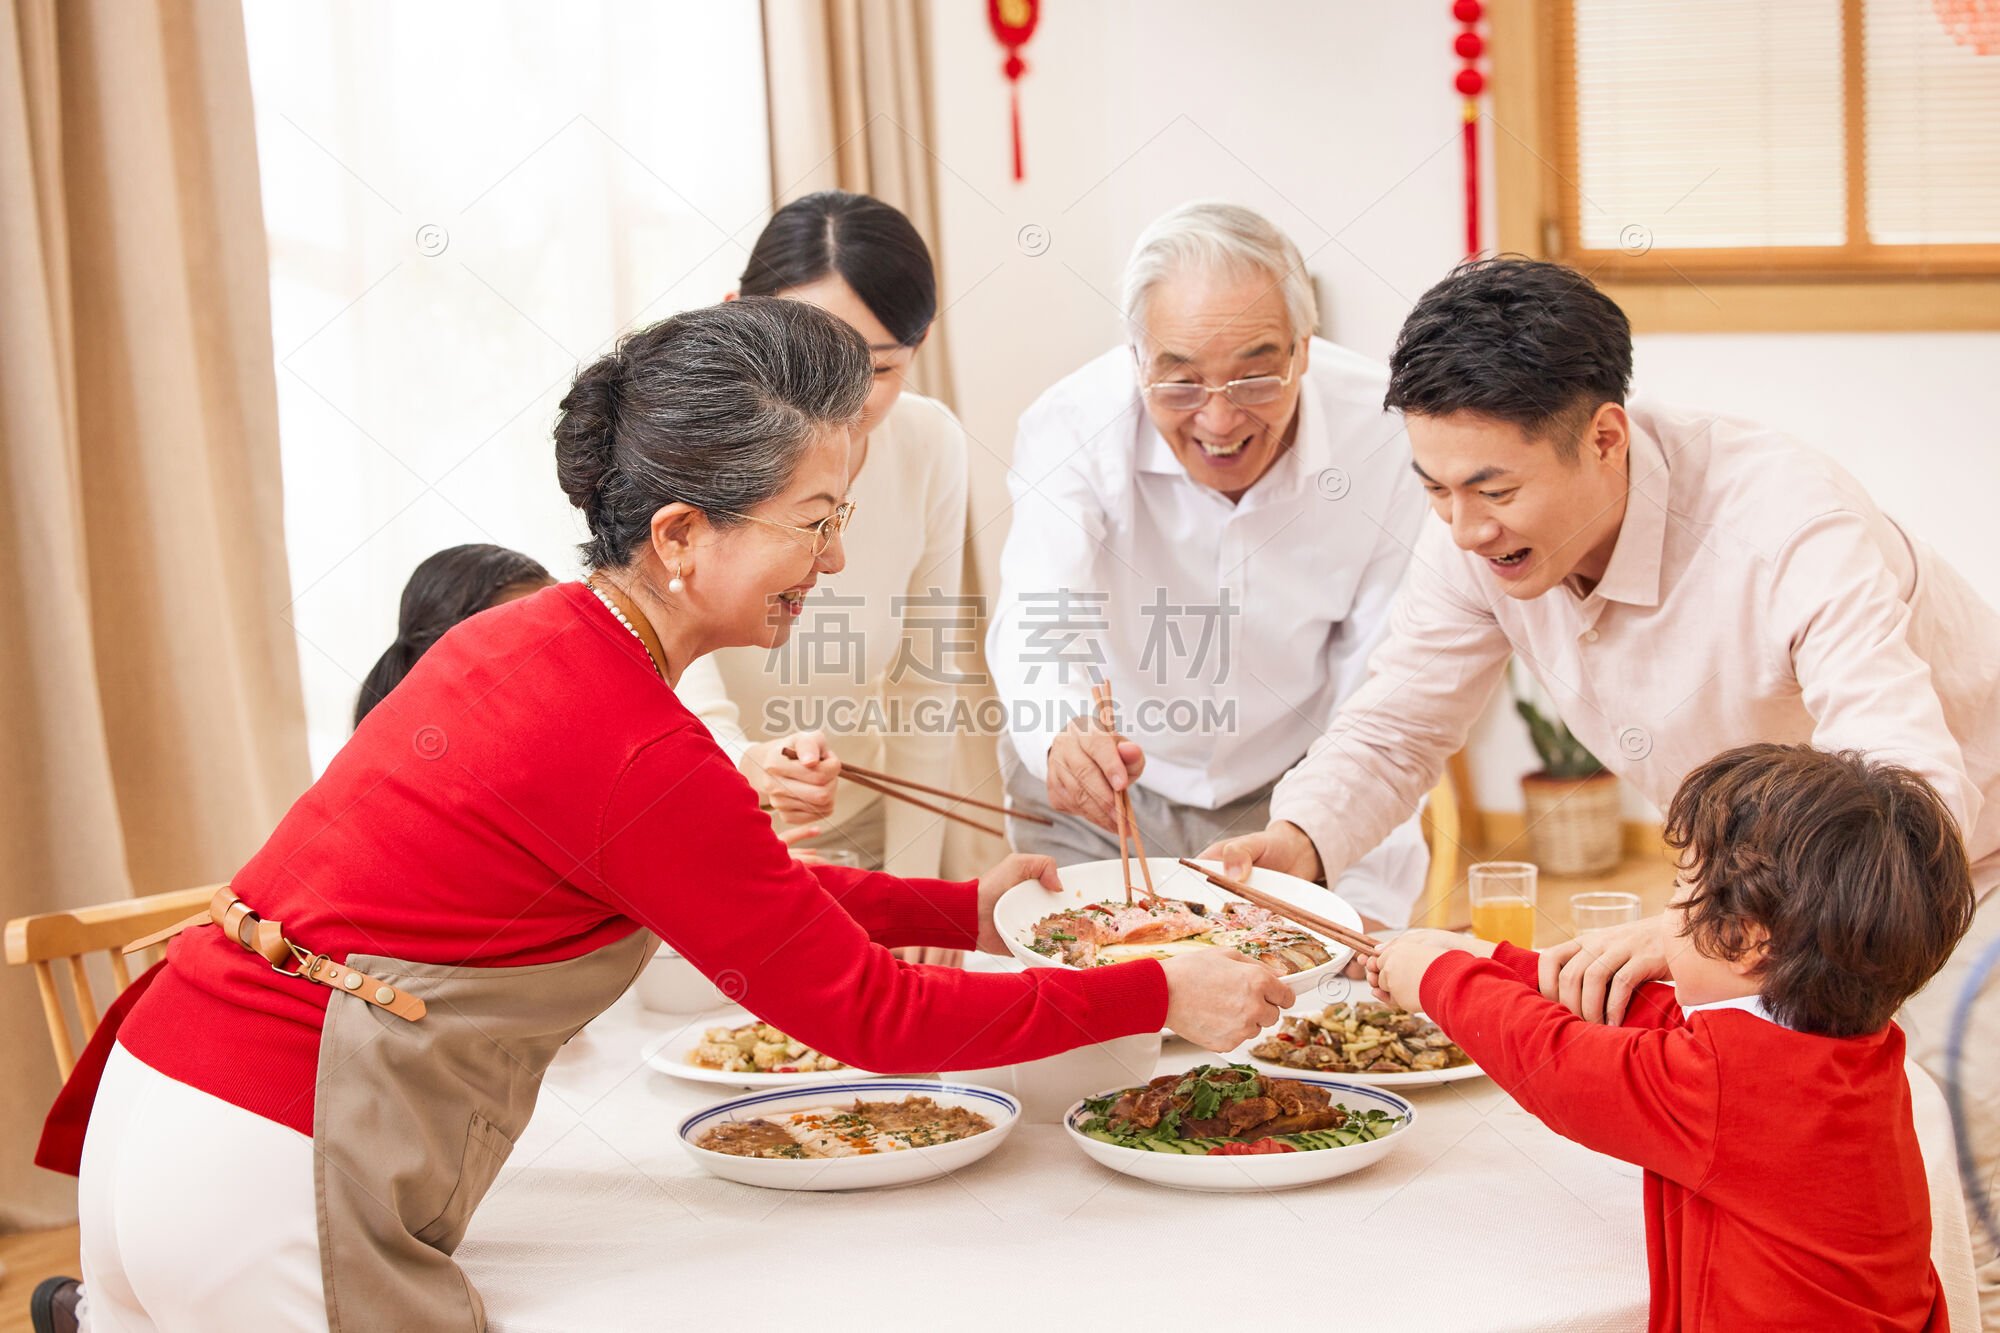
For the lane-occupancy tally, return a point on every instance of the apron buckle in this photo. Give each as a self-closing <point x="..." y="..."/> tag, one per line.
<point x="307" y="963"/>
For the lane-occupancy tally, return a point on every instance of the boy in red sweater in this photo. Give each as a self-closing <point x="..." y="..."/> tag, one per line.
<point x="1763" y="1092"/>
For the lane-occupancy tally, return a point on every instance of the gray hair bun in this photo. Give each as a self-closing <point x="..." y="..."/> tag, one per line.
<point x="713" y="407"/>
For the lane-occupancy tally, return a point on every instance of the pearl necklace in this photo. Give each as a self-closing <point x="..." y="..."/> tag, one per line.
<point x="612" y="607"/>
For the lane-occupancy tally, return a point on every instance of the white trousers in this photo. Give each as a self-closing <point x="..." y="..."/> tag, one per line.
<point x="195" y="1215"/>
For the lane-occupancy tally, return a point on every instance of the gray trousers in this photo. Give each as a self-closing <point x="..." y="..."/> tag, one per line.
<point x="1171" y="829"/>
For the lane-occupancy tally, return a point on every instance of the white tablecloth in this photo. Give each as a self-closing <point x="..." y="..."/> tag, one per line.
<point x="1484" y="1219"/>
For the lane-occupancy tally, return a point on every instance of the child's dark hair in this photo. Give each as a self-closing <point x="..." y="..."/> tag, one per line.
<point x="868" y="243"/>
<point x="1854" y="871"/>
<point x="1517" y="340"/>
<point x="457" y="582"/>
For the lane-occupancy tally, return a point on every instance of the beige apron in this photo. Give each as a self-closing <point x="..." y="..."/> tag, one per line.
<point x="413" y="1120"/>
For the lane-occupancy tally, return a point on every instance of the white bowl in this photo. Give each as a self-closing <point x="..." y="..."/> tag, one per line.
<point x="669" y="1054"/>
<point x="1046" y="1088"/>
<point x="1274" y="1171"/>
<point x="1099" y="881"/>
<point x="670" y="984"/>
<point x="875" y="1171"/>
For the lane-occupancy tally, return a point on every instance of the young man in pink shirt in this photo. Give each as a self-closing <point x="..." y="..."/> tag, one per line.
<point x="1679" y="583"/>
<point x="1764" y="1091"/>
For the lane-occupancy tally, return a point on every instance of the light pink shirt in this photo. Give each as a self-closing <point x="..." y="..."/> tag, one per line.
<point x="1755" y="594"/>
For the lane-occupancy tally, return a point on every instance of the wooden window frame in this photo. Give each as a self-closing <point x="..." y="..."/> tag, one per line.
<point x="1858" y="286"/>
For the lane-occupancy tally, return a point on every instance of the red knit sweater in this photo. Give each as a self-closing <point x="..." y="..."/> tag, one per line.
<point x="532" y="792"/>
<point x="1784" y="1189"/>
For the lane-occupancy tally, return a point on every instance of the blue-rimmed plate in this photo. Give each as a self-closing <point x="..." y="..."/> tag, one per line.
<point x="1276" y="1171"/>
<point x="872" y="1171"/>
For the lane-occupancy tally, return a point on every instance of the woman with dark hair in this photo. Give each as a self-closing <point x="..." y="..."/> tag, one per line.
<point x="856" y="677"/>
<point x="457" y="582"/>
<point x="300" y="1113"/>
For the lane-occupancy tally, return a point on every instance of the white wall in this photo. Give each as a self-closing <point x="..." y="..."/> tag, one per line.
<point x="1337" y="119"/>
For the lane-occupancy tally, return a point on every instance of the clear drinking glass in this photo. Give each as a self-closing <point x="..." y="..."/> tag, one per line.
<point x="1595" y="911"/>
<point x="1503" y="902"/>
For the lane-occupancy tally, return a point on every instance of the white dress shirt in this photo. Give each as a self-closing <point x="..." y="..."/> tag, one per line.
<point x="1755" y="593"/>
<point x="1264" y="610"/>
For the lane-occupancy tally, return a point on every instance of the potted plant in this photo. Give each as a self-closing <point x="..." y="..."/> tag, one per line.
<point x="1572" y="808"/>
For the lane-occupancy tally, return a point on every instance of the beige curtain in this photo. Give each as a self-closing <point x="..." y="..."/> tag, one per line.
<point x="849" y="85"/>
<point x="150" y="716"/>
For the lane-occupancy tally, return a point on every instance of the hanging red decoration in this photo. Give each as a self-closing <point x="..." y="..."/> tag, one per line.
<point x="1470" y="82"/>
<point x="1013" y="23"/>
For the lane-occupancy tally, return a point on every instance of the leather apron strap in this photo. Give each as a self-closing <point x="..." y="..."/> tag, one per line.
<point x="267" y="940"/>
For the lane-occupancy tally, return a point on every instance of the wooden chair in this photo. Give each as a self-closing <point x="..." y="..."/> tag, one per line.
<point x="71" y="937"/>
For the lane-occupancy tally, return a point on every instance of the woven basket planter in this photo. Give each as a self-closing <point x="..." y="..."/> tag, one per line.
<point x="1575" y="825"/>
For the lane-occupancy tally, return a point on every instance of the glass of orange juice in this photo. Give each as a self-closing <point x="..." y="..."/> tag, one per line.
<point x="1503" y="902"/>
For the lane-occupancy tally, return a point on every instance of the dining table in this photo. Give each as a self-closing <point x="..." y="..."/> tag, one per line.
<point x="1481" y="1219"/>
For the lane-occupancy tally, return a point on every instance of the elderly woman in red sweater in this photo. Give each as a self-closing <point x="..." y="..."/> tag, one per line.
<point x="305" y="1106"/>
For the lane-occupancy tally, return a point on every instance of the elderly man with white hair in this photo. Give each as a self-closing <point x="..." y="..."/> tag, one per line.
<point x="1213" y="518"/>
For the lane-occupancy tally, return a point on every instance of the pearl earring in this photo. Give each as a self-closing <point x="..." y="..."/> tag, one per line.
<point x="677" y="583"/>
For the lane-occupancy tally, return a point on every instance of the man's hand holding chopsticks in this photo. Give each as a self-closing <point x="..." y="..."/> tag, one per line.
<point x="1088" y="766"/>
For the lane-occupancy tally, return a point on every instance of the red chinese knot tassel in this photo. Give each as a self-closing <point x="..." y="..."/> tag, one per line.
<point x="1013" y="23"/>
<point x="1469" y="46"/>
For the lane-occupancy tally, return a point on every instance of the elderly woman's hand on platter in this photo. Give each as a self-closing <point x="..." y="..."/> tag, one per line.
<point x="1087" y="767"/>
<point x="993" y="885"/>
<point x="800" y="790"/>
<point x="1218" y="999"/>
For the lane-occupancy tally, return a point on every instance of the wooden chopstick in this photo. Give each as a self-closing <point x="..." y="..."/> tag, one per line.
<point x="890" y="779"/>
<point x="1118" y="807"/>
<point x="1121" y="808"/>
<point x="952" y="796"/>
<point x="1128" y="822"/>
<point x="1333" y="930"/>
<point x="1124" y="852"/>
<point x="860" y="781"/>
<point x="1139" y="846"/>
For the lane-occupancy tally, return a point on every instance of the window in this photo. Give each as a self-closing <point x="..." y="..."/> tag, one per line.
<point x="1757" y="163"/>
<point x="464" y="201"/>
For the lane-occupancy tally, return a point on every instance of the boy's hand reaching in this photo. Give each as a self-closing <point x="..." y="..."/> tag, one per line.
<point x="1397" y="972"/>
